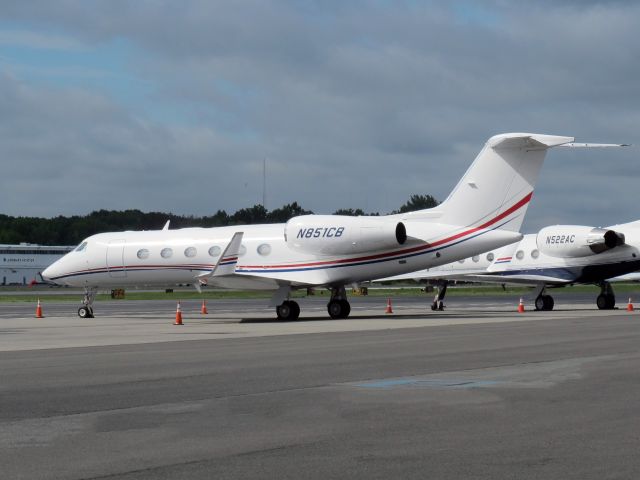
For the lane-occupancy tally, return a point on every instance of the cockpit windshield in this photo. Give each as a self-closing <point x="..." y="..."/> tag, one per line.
<point x="81" y="247"/>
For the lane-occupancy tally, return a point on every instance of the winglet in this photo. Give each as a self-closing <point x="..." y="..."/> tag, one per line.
<point x="227" y="262"/>
<point x="166" y="225"/>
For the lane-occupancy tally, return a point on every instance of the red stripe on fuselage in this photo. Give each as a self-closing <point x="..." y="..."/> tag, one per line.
<point x="488" y="223"/>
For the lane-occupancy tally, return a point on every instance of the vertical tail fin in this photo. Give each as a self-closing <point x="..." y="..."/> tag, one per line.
<point x="497" y="187"/>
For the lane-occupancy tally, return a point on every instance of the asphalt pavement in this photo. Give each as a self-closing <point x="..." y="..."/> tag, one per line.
<point x="477" y="391"/>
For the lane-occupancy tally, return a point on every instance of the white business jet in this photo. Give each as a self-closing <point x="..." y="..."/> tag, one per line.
<point x="484" y="211"/>
<point x="556" y="256"/>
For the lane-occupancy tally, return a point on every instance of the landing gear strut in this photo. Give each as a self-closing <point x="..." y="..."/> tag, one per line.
<point x="86" y="310"/>
<point x="338" y="306"/>
<point x="606" y="300"/>
<point x="438" y="300"/>
<point x="543" y="301"/>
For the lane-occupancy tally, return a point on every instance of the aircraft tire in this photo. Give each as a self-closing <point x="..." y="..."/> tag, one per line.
<point x="338" y="309"/>
<point x="606" y="302"/>
<point x="548" y="302"/>
<point x="346" y="308"/>
<point x="85" y="312"/>
<point x="295" y="313"/>
<point x="288" y="311"/>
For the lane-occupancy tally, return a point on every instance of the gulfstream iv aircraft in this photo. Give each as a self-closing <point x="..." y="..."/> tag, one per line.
<point x="484" y="211"/>
<point x="554" y="257"/>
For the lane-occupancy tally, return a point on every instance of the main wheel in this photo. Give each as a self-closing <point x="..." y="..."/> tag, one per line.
<point x="548" y="302"/>
<point x="334" y="307"/>
<point x="611" y="302"/>
<point x="539" y="303"/>
<point x="84" y="312"/>
<point x="288" y="310"/>
<point x="295" y="310"/>
<point x="606" y="302"/>
<point x="346" y="308"/>
<point x="338" y="309"/>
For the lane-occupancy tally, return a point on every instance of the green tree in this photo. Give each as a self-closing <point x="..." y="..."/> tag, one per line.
<point x="350" y="212"/>
<point x="418" y="202"/>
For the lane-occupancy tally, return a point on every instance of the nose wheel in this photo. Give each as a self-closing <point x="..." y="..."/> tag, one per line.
<point x="86" y="310"/>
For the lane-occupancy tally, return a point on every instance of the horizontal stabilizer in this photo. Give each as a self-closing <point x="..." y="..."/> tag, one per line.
<point x="525" y="140"/>
<point x="594" y="145"/>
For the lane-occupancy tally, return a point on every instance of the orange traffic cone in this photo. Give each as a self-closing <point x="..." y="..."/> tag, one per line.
<point x="629" y="306"/>
<point x="39" y="310"/>
<point x="178" y="315"/>
<point x="388" y="309"/>
<point x="203" y="310"/>
<point x="521" y="306"/>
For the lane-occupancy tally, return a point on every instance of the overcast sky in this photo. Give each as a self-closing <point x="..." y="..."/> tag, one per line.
<point x="172" y="106"/>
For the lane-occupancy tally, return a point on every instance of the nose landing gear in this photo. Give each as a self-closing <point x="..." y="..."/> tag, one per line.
<point x="86" y="310"/>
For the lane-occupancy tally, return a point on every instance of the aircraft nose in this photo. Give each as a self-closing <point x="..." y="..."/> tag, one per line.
<point x="46" y="274"/>
<point x="49" y="273"/>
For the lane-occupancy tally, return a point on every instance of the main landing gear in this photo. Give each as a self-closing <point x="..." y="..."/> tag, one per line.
<point x="86" y="310"/>
<point x="606" y="300"/>
<point x="288" y="310"/>
<point x="543" y="301"/>
<point x="438" y="300"/>
<point x="338" y="306"/>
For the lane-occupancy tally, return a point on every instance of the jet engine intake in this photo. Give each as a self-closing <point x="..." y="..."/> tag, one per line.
<point x="570" y="241"/>
<point x="343" y="235"/>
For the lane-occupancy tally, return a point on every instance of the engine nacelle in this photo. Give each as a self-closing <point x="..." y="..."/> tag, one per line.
<point x="570" y="241"/>
<point x="342" y="235"/>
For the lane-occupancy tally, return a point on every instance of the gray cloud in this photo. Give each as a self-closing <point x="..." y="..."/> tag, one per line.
<point x="354" y="104"/>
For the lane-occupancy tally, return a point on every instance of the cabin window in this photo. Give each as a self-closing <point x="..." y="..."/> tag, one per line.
<point x="520" y="254"/>
<point x="490" y="257"/>
<point x="81" y="247"/>
<point x="214" y="251"/>
<point x="475" y="258"/>
<point x="190" y="252"/>
<point x="264" y="249"/>
<point x="535" y="253"/>
<point x="242" y="250"/>
<point x="143" y="253"/>
<point x="166" y="253"/>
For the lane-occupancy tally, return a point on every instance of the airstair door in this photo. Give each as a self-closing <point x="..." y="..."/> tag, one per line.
<point x="115" y="259"/>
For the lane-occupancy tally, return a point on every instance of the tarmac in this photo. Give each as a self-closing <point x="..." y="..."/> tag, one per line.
<point x="476" y="391"/>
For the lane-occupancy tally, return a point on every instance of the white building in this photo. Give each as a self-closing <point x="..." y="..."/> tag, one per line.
<point x="22" y="264"/>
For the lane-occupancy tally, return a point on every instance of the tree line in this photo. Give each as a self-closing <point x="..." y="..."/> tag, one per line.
<point x="71" y="230"/>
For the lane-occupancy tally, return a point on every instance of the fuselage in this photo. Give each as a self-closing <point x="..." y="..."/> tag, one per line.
<point x="266" y="261"/>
